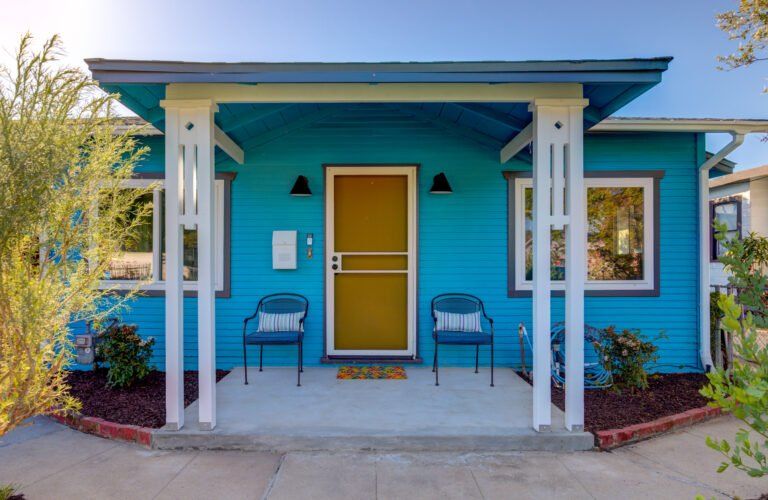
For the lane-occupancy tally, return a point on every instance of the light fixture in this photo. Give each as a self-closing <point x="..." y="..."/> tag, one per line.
<point x="440" y="185"/>
<point x="301" y="187"/>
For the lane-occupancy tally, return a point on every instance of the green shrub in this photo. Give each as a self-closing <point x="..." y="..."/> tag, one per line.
<point x="625" y="354"/>
<point x="743" y="391"/>
<point x="126" y="353"/>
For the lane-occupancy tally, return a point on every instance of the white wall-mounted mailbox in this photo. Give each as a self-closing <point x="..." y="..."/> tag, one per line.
<point x="284" y="249"/>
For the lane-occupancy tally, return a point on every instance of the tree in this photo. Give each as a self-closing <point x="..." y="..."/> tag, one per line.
<point x="63" y="216"/>
<point x="749" y="25"/>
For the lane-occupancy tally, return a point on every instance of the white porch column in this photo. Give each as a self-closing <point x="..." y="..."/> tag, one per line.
<point x="189" y="203"/>
<point x="557" y="161"/>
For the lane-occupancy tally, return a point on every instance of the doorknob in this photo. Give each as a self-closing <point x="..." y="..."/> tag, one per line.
<point x="335" y="266"/>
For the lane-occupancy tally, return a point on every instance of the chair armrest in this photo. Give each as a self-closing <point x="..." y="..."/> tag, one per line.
<point x="249" y="318"/>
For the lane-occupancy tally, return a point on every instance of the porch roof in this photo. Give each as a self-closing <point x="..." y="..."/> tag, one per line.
<point x="608" y="84"/>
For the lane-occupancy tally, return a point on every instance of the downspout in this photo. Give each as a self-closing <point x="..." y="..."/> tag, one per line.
<point x="737" y="138"/>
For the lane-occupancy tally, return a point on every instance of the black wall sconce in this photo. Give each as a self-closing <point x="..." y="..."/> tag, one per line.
<point x="440" y="185"/>
<point x="301" y="187"/>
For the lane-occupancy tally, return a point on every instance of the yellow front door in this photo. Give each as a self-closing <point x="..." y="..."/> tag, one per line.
<point x="370" y="259"/>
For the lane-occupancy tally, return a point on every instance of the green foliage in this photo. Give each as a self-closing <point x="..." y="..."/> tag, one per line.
<point x="126" y="354"/>
<point x="749" y="25"/>
<point x="625" y="354"/>
<point x="60" y="157"/>
<point x="744" y="260"/>
<point x="743" y="391"/>
<point x="8" y="492"/>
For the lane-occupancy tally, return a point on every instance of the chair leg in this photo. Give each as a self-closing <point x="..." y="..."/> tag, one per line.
<point x="301" y="358"/>
<point x="261" y="357"/>
<point x="245" y="363"/>
<point x="491" y="363"/>
<point x="477" y="356"/>
<point x="298" y="366"/>
<point x="434" y="360"/>
<point x="437" y="380"/>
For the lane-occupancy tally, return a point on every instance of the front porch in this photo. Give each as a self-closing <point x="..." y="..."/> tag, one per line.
<point x="463" y="413"/>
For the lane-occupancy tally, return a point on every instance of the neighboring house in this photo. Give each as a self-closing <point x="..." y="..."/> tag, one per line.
<point x="355" y="157"/>
<point x="740" y="201"/>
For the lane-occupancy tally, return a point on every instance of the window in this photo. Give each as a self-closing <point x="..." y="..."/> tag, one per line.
<point x="622" y="223"/>
<point x="728" y="212"/>
<point x="143" y="257"/>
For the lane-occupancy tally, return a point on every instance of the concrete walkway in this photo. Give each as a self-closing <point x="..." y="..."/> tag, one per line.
<point x="48" y="460"/>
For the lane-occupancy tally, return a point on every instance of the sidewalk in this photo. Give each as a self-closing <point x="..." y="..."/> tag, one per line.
<point x="48" y="460"/>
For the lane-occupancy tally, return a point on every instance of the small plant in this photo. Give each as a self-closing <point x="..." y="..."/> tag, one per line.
<point x="625" y="354"/>
<point x="9" y="492"/>
<point x="743" y="391"/>
<point x="126" y="353"/>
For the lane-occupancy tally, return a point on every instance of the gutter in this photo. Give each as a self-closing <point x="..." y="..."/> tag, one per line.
<point x="705" y="351"/>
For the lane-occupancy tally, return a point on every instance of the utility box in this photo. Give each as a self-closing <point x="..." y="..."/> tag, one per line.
<point x="284" y="249"/>
<point x="84" y="349"/>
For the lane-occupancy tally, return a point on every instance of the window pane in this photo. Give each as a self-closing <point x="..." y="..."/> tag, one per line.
<point x="615" y="233"/>
<point x="726" y="213"/>
<point x="557" y="265"/>
<point x="189" y="253"/>
<point x="135" y="260"/>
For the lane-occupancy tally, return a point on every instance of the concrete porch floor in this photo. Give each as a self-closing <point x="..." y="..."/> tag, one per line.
<point x="463" y="414"/>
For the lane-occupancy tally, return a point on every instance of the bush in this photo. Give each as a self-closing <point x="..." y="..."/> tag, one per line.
<point x="126" y="353"/>
<point x="625" y="354"/>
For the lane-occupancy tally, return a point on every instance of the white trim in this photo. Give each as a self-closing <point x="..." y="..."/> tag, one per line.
<point x="412" y="272"/>
<point x="647" y="283"/>
<point x="680" y="125"/>
<point x="156" y="282"/>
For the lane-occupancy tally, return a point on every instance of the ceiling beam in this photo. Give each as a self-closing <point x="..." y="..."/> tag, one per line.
<point x="364" y="92"/>
<point x="226" y="144"/>
<point x="291" y="126"/>
<point x="493" y="115"/>
<point x="247" y="118"/>
<point x="451" y="127"/>
<point x="518" y="142"/>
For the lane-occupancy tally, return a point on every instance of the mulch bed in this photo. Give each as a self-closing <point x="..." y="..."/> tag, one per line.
<point x="142" y="404"/>
<point x="668" y="394"/>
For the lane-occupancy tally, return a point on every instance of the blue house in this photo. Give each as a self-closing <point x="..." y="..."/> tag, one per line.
<point x="372" y="188"/>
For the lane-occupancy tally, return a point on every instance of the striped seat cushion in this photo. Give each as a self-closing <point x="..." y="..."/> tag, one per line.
<point x="280" y="322"/>
<point x="457" y="322"/>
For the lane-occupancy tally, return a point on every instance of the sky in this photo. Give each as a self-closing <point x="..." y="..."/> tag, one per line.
<point x="421" y="30"/>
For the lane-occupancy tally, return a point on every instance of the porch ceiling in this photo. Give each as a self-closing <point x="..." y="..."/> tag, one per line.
<point x="608" y="84"/>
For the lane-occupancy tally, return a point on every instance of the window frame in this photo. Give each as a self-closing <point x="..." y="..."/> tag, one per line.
<point x="738" y="201"/>
<point x="649" y="286"/>
<point x="222" y="275"/>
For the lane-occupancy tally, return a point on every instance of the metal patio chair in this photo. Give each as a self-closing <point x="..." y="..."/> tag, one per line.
<point x="280" y="322"/>
<point x="458" y="321"/>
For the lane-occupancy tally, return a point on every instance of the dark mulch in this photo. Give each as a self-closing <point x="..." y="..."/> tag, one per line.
<point x="142" y="404"/>
<point x="668" y="394"/>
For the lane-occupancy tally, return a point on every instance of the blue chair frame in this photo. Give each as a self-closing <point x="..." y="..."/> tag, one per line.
<point x="277" y="303"/>
<point x="461" y="303"/>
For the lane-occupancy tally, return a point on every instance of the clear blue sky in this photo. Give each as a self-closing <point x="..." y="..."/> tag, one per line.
<point x="422" y="30"/>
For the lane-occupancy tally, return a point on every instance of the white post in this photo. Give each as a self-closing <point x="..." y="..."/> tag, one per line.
<point x="174" y="292"/>
<point x="554" y="156"/>
<point x="576" y="272"/>
<point x="190" y="192"/>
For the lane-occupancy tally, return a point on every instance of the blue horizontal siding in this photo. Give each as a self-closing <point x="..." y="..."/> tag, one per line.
<point x="462" y="237"/>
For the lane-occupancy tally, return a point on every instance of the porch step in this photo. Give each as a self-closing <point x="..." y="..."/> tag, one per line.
<point x="517" y="440"/>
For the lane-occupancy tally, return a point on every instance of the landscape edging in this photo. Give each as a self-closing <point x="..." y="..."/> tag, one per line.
<point x="106" y="429"/>
<point x="613" y="438"/>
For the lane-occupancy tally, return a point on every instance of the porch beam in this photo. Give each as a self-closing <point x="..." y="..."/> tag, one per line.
<point x="226" y="144"/>
<point x="364" y="92"/>
<point x="518" y="142"/>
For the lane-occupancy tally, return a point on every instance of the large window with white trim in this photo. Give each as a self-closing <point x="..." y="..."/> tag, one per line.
<point x="143" y="257"/>
<point x="621" y="236"/>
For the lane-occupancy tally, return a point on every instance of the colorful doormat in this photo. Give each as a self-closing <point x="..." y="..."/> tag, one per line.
<point x="371" y="373"/>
